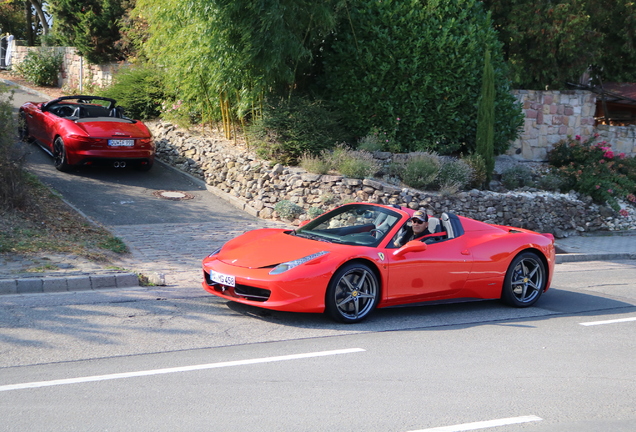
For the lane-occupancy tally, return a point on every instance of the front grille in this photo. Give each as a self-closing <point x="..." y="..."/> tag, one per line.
<point x="242" y="291"/>
<point x="252" y="293"/>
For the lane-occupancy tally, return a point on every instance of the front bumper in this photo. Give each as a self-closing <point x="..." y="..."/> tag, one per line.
<point x="289" y="292"/>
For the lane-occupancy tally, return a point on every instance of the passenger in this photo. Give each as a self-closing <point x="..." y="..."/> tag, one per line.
<point x="418" y="228"/>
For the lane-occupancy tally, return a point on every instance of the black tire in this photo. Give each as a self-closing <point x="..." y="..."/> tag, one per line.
<point x="59" y="155"/>
<point x="23" y="127"/>
<point x="525" y="280"/>
<point x="353" y="293"/>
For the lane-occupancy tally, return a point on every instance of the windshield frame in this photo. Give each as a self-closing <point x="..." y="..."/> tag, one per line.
<point x="352" y="225"/>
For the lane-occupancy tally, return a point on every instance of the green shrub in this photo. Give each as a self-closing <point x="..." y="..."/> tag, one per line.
<point x="357" y="164"/>
<point x="139" y="90"/>
<point x="13" y="190"/>
<point x="421" y="170"/>
<point x="550" y="181"/>
<point x="314" y="212"/>
<point x="478" y="165"/>
<point x="454" y="174"/>
<point x="371" y="142"/>
<point x="288" y="210"/>
<point x="314" y="164"/>
<point x="594" y="169"/>
<point x="413" y="69"/>
<point x="41" y="66"/>
<point x="290" y="128"/>
<point x="516" y="177"/>
<point x="327" y="198"/>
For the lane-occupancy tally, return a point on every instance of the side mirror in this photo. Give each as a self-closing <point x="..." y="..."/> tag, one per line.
<point x="412" y="246"/>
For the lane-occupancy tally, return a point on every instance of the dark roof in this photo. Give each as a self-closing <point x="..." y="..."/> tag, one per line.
<point x="620" y="93"/>
<point x="623" y="90"/>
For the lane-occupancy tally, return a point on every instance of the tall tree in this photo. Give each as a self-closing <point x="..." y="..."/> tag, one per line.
<point x="615" y="20"/>
<point x="91" y="26"/>
<point x="548" y="43"/>
<point x="486" y="118"/>
<point x="223" y="56"/>
<point x="17" y="18"/>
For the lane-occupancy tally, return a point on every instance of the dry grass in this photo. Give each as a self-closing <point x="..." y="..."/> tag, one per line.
<point x="47" y="224"/>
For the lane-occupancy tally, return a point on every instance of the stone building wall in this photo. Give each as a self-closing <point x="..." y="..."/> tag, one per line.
<point x="76" y="73"/>
<point x="622" y="138"/>
<point x="552" y="116"/>
<point x="254" y="186"/>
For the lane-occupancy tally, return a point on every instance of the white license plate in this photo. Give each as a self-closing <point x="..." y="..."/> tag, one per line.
<point x="121" y="143"/>
<point x="223" y="279"/>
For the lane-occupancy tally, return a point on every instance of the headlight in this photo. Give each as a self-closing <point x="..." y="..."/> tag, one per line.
<point x="216" y="251"/>
<point x="281" y="268"/>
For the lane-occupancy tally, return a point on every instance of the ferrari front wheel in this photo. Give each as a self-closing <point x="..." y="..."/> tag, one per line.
<point x="352" y="294"/>
<point x="59" y="155"/>
<point x="525" y="280"/>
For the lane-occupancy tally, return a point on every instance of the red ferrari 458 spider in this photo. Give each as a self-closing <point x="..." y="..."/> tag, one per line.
<point x="86" y="130"/>
<point x="346" y="263"/>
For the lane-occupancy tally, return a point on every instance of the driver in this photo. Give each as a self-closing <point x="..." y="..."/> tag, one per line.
<point x="417" y="229"/>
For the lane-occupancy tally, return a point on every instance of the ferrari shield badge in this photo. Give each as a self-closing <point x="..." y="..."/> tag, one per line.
<point x="381" y="255"/>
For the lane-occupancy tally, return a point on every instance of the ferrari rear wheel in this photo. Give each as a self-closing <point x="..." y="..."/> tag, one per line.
<point x="525" y="280"/>
<point x="352" y="294"/>
<point x="59" y="155"/>
<point x="23" y="127"/>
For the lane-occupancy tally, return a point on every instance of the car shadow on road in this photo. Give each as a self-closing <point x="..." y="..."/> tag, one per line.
<point x="553" y="304"/>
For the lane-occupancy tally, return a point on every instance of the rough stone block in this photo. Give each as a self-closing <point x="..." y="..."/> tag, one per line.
<point x="8" y="286"/>
<point x="127" y="280"/>
<point x="54" y="285"/>
<point x="103" y="281"/>
<point x="28" y="286"/>
<point x="250" y="210"/>
<point x="78" y="283"/>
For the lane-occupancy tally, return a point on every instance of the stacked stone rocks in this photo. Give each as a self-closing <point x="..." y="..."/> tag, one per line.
<point x="256" y="186"/>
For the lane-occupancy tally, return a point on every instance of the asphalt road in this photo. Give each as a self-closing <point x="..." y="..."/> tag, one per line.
<point x="200" y="363"/>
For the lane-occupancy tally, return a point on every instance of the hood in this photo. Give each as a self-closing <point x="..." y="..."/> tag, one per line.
<point x="257" y="249"/>
<point x="107" y="129"/>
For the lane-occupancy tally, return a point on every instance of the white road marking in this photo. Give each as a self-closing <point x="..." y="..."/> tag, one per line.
<point x="614" y="321"/>
<point x="483" y="424"/>
<point x="175" y="369"/>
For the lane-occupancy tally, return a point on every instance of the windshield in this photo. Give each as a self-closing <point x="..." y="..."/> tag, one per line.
<point x="355" y="224"/>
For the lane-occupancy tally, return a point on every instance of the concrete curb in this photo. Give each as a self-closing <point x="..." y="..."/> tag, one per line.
<point x="580" y="257"/>
<point x="27" y="89"/>
<point x="68" y="283"/>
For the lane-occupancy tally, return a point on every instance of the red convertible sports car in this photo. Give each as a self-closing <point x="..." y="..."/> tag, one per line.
<point x="86" y="130"/>
<point x="346" y="263"/>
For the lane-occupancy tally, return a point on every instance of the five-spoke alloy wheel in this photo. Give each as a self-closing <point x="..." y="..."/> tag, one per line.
<point x="353" y="293"/>
<point x="59" y="155"/>
<point x="525" y="280"/>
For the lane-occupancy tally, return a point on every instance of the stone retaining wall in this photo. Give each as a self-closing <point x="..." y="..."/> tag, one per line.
<point x="255" y="186"/>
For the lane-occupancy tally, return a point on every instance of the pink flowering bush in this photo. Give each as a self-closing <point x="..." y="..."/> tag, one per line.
<point x="595" y="169"/>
